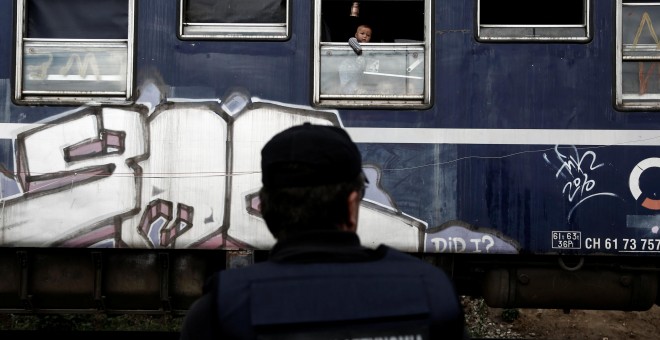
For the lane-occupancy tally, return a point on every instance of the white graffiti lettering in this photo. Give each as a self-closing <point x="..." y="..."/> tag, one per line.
<point x="575" y="170"/>
<point x="89" y="62"/>
<point x="459" y="245"/>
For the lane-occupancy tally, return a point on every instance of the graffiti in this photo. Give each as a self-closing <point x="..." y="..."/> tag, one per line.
<point x="645" y="75"/>
<point x="175" y="175"/>
<point x="156" y="226"/>
<point x="459" y="237"/>
<point x="85" y="65"/>
<point x="40" y="71"/>
<point x="646" y="21"/>
<point x="97" y="65"/>
<point x="459" y="245"/>
<point x="89" y="62"/>
<point x="575" y="170"/>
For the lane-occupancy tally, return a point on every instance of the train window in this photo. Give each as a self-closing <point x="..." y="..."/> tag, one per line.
<point x="393" y="69"/>
<point x="525" y="20"/>
<point x="637" y="55"/>
<point x="74" y="51"/>
<point x="234" y="19"/>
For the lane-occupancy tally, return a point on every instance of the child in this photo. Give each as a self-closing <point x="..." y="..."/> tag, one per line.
<point x="363" y="33"/>
<point x="351" y="69"/>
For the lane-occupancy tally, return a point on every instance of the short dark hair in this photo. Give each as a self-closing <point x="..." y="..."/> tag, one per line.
<point x="363" y="25"/>
<point x="297" y="209"/>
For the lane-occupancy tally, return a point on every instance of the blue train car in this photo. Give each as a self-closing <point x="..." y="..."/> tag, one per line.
<point x="514" y="145"/>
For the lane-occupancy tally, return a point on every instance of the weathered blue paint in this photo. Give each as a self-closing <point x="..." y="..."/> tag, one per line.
<point x="518" y="193"/>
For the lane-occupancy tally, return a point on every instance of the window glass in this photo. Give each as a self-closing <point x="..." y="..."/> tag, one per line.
<point x="236" y="11"/>
<point x="233" y="19"/>
<point x="638" y="57"/>
<point x="378" y="71"/>
<point x="77" y="19"/>
<point x="525" y="12"/>
<point x="74" y="51"/>
<point x="391" y="69"/>
<point x="561" y="20"/>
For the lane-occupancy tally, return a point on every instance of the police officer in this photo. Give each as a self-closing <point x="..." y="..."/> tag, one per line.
<point x="319" y="282"/>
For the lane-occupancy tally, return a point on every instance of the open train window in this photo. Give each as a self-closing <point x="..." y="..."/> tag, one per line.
<point x="74" y="51"/>
<point x="525" y="20"/>
<point x="234" y="19"/>
<point x="393" y="69"/>
<point x="638" y="55"/>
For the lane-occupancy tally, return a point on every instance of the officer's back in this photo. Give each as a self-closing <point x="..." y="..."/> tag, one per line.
<point x="319" y="282"/>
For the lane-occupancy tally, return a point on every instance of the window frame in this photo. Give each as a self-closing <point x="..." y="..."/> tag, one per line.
<point x="23" y="96"/>
<point x="423" y="101"/>
<point x="632" y="102"/>
<point x="228" y="31"/>
<point x="531" y="32"/>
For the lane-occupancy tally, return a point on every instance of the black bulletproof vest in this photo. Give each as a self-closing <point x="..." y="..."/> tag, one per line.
<point x="397" y="297"/>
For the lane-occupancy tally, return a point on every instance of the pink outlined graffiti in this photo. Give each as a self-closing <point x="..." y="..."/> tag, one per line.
<point x="113" y="177"/>
<point x="157" y="215"/>
<point x="182" y="224"/>
<point x="110" y="142"/>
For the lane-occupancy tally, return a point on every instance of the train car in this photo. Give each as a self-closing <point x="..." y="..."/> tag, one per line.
<point x="514" y="144"/>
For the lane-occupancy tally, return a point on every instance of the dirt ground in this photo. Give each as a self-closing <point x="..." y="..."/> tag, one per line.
<point x="556" y="324"/>
<point x="483" y="322"/>
<point x="588" y="324"/>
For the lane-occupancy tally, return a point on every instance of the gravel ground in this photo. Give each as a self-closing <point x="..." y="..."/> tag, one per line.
<point x="484" y="322"/>
<point x="481" y="324"/>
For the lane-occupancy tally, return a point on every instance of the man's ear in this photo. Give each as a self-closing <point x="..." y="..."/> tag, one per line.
<point x="353" y="202"/>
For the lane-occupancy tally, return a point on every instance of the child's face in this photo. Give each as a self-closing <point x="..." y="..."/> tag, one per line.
<point x="363" y="34"/>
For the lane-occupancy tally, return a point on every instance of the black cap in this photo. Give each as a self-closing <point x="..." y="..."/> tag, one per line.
<point x="309" y="155"/>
